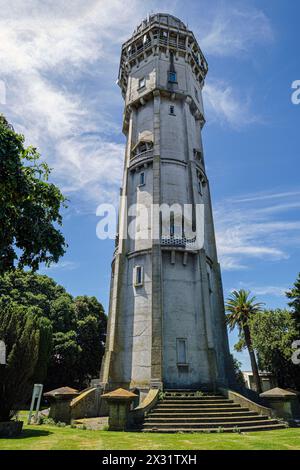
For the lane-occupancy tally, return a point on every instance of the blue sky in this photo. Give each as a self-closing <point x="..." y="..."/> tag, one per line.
<point x="59" y="65"/>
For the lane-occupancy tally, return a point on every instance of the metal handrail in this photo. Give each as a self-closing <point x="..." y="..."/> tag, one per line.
<point x="177" y="241"/>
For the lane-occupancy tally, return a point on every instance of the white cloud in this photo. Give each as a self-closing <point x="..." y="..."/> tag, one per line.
<point x="274" y="291"/>
<point x="223" y="105"/>
<point x="232" y="31"/>
<point x="94" y="166"/>
<point x="263" y="196"/>
<point x="59" y="61"/>
<point x="246" y="229"/>
<point x="62" y="266"/>
<point x="230" y="263"/>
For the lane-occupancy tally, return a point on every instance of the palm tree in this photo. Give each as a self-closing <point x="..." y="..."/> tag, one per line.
<point x="240" y="306"/>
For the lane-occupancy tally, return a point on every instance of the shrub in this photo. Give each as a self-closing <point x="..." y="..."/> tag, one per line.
<point x="20" y="329"/>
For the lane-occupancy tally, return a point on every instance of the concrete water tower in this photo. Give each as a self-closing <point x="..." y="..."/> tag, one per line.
<point x="166" y="316"/>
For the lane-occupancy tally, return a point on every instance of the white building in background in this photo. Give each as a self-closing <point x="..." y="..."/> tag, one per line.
<point x="267" y="380"/>
<point x="166" y="316"/>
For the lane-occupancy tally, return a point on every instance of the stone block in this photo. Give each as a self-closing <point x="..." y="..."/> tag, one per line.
<point x="284" y="403"/>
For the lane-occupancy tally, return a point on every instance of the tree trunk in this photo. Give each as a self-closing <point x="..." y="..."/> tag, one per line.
<point x="252" y="359"/>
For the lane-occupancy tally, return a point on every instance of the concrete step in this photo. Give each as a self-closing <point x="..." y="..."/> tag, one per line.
<point x="260" y="427"/>
<point x="186" y="411"/>
<point x="196" y="402"/>
<point x="195" y="399"/>
<point x="192" y="394"/>
<point x="204" y="419"/>
<point x="208" y="425"/>
<point x="185" y="406"/>
<point x="184" y="391"/>
<point x="201" y="411"/>
<point x="208" y="414"/>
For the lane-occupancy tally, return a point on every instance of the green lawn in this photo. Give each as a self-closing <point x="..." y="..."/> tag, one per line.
<point x="46" y="437"/>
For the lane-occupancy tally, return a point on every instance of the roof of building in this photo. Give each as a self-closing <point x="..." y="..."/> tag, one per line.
<point x="278" y="393"/>
<point x="61" y="391"/>
<point x="261" y="372"/>
<point x="119" y="393"/>
<point x="162" y="18"/>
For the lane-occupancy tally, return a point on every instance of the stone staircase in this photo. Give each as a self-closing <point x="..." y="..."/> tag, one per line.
<point x="190" y="411"/>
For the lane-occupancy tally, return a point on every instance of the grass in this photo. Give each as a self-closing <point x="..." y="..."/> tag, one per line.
<point x="46" y="437"/>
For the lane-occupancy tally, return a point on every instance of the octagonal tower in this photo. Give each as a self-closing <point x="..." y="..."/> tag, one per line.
<point x="166" y="315"/>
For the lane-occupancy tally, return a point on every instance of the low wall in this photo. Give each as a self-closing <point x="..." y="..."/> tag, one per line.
<point x="10" y="428"/>
<point x="245" y="402"/>
<point x="87" y="404"/>
<point x="136" y="416"/>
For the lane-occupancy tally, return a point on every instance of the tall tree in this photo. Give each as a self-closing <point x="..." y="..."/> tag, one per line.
<point x="78" y="327"/>
<point x="29" y="206"/>
<point x="294" y="295"/>
<point x="91" y="329"/>
<point x="65" y="361"/>
<point x="20" y="329"/>
<point x="273" y="333"/>
<point x="241" y="307"/>
<point x="237" y="371"/>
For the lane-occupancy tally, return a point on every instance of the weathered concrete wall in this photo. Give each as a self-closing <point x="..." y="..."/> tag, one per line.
<point x="87" y="404"/>
<point x="132" y="361"/>
<point x="245" y="402"/>
<point x="60" y="410"/>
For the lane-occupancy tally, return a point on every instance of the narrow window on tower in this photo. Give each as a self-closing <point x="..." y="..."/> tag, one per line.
<point x="142" y="82"/>
<point x="209" y="283"/>
<point x="181" y="351"/>
<point x="196" y="94"/>
<point x="142" y="178"/>
<point x="172" y="77"/>
<point x="172" y="110"/>
<point x="198" y="155"/>
<point x="172" y="224"/>
<point x="200" y="186"/>
<point x="138" y="276"/>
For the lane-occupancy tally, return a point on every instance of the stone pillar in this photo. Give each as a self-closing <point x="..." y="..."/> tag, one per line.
<point x="157" y="320"/>
<point x="119" y="402"/>
<point x="285" y="403"/>
<point x="60" y="401"/>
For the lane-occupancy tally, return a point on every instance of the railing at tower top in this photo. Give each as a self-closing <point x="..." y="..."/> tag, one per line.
<point x="176" y="43"/>
<point x="154" y="42"/>
<point x="132" y="53"/>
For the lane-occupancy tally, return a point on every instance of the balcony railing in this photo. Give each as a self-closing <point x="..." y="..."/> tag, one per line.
<point x="180" y="242"/>
<point x="141" y="156"/>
